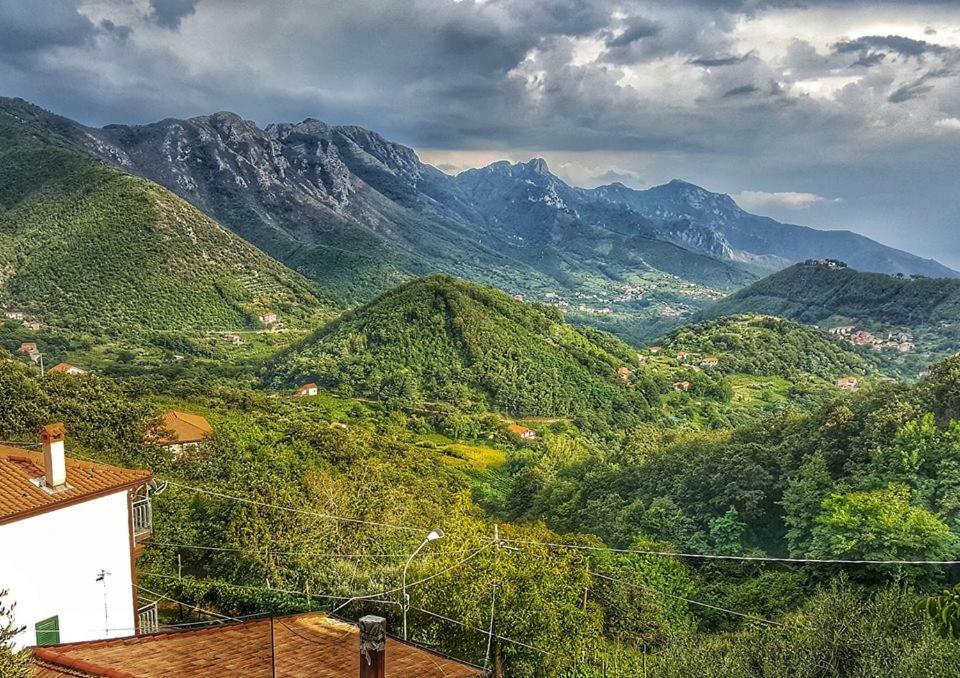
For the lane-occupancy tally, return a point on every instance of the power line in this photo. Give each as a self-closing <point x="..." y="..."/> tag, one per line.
<point x="686" y="600"/>
<point x="479" y="630"/>
<point x="315" y="514"/>
<point x="180" y="602"/>
<point x="707" y="556"/>
<point x="199" y="547"/>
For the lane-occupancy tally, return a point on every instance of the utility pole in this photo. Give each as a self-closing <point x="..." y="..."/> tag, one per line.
<point x="41" y="364"/>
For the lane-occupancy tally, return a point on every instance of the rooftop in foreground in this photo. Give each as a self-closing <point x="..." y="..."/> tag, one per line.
<point x="310" y="644"/>
<point x="22" y="494"/>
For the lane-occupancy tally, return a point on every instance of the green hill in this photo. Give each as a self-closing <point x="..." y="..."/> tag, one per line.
<point x="814" y="292"/>
<point x="764" y="345"/>
<point x="444" y="339"/>
<point x="87" y="247"/>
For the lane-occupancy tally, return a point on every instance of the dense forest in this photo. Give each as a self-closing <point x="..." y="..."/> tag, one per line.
<point x="814" y="292"/>
<point x="444" y="339"/>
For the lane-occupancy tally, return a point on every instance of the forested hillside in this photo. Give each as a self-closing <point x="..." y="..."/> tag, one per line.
<point x="87" y="247"/>
<point x="444" y="339"/>
<point x="765" y="345"/>
<point x="814" y="292"/>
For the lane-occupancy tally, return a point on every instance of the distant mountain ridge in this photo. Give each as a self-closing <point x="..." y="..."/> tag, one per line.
<point x="812" y="292"/>
<point x="715" y="223"/>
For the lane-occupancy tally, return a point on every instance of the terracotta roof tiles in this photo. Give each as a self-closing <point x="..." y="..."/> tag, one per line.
<point x="307" y="645"/>
<point x="183" y="427"/>
<point x="21" y="497"/>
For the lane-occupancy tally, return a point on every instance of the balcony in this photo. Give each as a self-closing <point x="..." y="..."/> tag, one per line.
<point x="147" y="619"/>
<point x="142" y="518"/>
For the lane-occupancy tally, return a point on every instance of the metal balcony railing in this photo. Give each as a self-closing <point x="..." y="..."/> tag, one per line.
<point x="147" y="619"/>
<point x="142" y="517"/>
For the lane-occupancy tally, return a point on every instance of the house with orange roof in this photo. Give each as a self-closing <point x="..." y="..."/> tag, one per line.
<point x="681" y="355"/>
<point x="66" y="368"/>
<point x="522" y="431"/>
<point x="180" y="431"/>
<point x="70" y="534"/>
<point x="306" y="390"/>
<point x="624" y="372"/>
<point x="681" y="385"/>
<point x="308" y="645"/>
<point x="710" y="361"/>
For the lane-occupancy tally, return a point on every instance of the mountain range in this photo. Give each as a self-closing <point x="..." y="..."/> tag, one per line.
<point x="359" y="213"/>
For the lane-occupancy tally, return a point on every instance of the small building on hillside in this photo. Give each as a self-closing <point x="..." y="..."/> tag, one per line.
<point x="682" y="355"/>
<point x="710" y="361"/>
<point x="842" y="330"/>
<point x="682" y="385"/>
<point x="234" y="339"/>
<point x="32" y="325"/>
<point x="655" y="348"/>
<point x="66" y="368"/>
<point x="848" y="383"/>
<point x="70" y="534"/>
<point x="268" y="318"/>
<point x="624" y="372"/>
<point x="180" y="431"/>
<point x="13" y="314"/>
<point x="28" y="347"/>
<point x="522" y="431"/>
<point x="311" y="644"/>
<point x="306" y="390"/>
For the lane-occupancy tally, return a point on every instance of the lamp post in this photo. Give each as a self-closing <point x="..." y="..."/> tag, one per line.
<point x="433" y="536"/>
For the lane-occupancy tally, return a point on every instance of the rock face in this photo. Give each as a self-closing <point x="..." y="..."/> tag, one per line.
<point x="360" y="214"/>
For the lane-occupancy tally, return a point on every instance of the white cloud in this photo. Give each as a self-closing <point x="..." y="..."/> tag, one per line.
<point x="759" y="200"/>
<point x="949" y="123"/>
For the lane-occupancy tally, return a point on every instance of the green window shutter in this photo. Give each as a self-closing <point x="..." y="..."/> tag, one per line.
<point x="48" y="631"/>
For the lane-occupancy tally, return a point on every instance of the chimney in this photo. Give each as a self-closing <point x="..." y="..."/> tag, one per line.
<point x="54" y="464"/>
<point x="373" y="645"/>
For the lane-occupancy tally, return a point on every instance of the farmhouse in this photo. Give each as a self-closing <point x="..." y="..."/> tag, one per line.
<point x="522" y="431"/>
<point x="181" y="431"/>
<point x="71" y="531"/>
<point x="12" y="314"/>
<point x="710" y="361"/>
<point x="66" y="368"/>
<point x="268" y="318"/>
<point x="306" y="390"/>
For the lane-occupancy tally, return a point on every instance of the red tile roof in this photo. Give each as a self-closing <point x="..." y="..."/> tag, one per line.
<point x="183" y="427"/>
<point x="62" y="368"/>
<point x="307" y="645"/>
<point x="21" y="498"/>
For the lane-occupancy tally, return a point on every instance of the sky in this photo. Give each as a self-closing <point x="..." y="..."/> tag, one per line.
<point x="833" y="114"/>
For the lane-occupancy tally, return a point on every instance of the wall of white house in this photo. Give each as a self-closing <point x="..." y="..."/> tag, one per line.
<point x="50" y="563"/>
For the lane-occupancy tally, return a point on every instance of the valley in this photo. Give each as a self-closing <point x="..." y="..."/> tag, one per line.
<point x="653" y="441"/>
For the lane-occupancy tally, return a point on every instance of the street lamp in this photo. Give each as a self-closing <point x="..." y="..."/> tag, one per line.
<point x="433" y="536"/>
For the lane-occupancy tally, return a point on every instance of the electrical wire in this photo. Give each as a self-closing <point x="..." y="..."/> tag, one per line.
<point x="199" y="547"/>
<point x="686" y="600"/>
<point x="706" y="556"/>
<point x="480" y="630"/>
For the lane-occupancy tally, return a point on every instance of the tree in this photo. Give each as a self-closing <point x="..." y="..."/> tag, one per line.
<point x="802" y="501"/>
<point x="880" y="525"/>
<point x="12" y="664"/>
<point x="726" y="532"/>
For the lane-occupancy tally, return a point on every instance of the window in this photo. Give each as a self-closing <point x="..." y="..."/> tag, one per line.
<point x="48" y="631"/>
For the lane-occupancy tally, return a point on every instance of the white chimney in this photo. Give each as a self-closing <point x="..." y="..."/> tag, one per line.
<point x="54" y="462"/>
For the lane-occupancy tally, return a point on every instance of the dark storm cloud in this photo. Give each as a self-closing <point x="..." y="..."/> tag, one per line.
<point x="637" y="28"/>
<point x="742" y="90"/>
<point x="710" y="62"/>
<point x="33" y="27"/>
<point x="891" y="43"/>
<point x="169" y="13"/>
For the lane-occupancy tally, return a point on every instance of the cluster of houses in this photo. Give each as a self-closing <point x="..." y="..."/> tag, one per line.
<point x="21" y="317"/>
<point x="29" y="349"/>
<point x="72" y="532"/>
<point x="897" y="341"/>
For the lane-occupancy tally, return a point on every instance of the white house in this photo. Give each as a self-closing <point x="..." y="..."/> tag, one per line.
<point x="306" y="390"/>
<point x="69" y="535"/>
